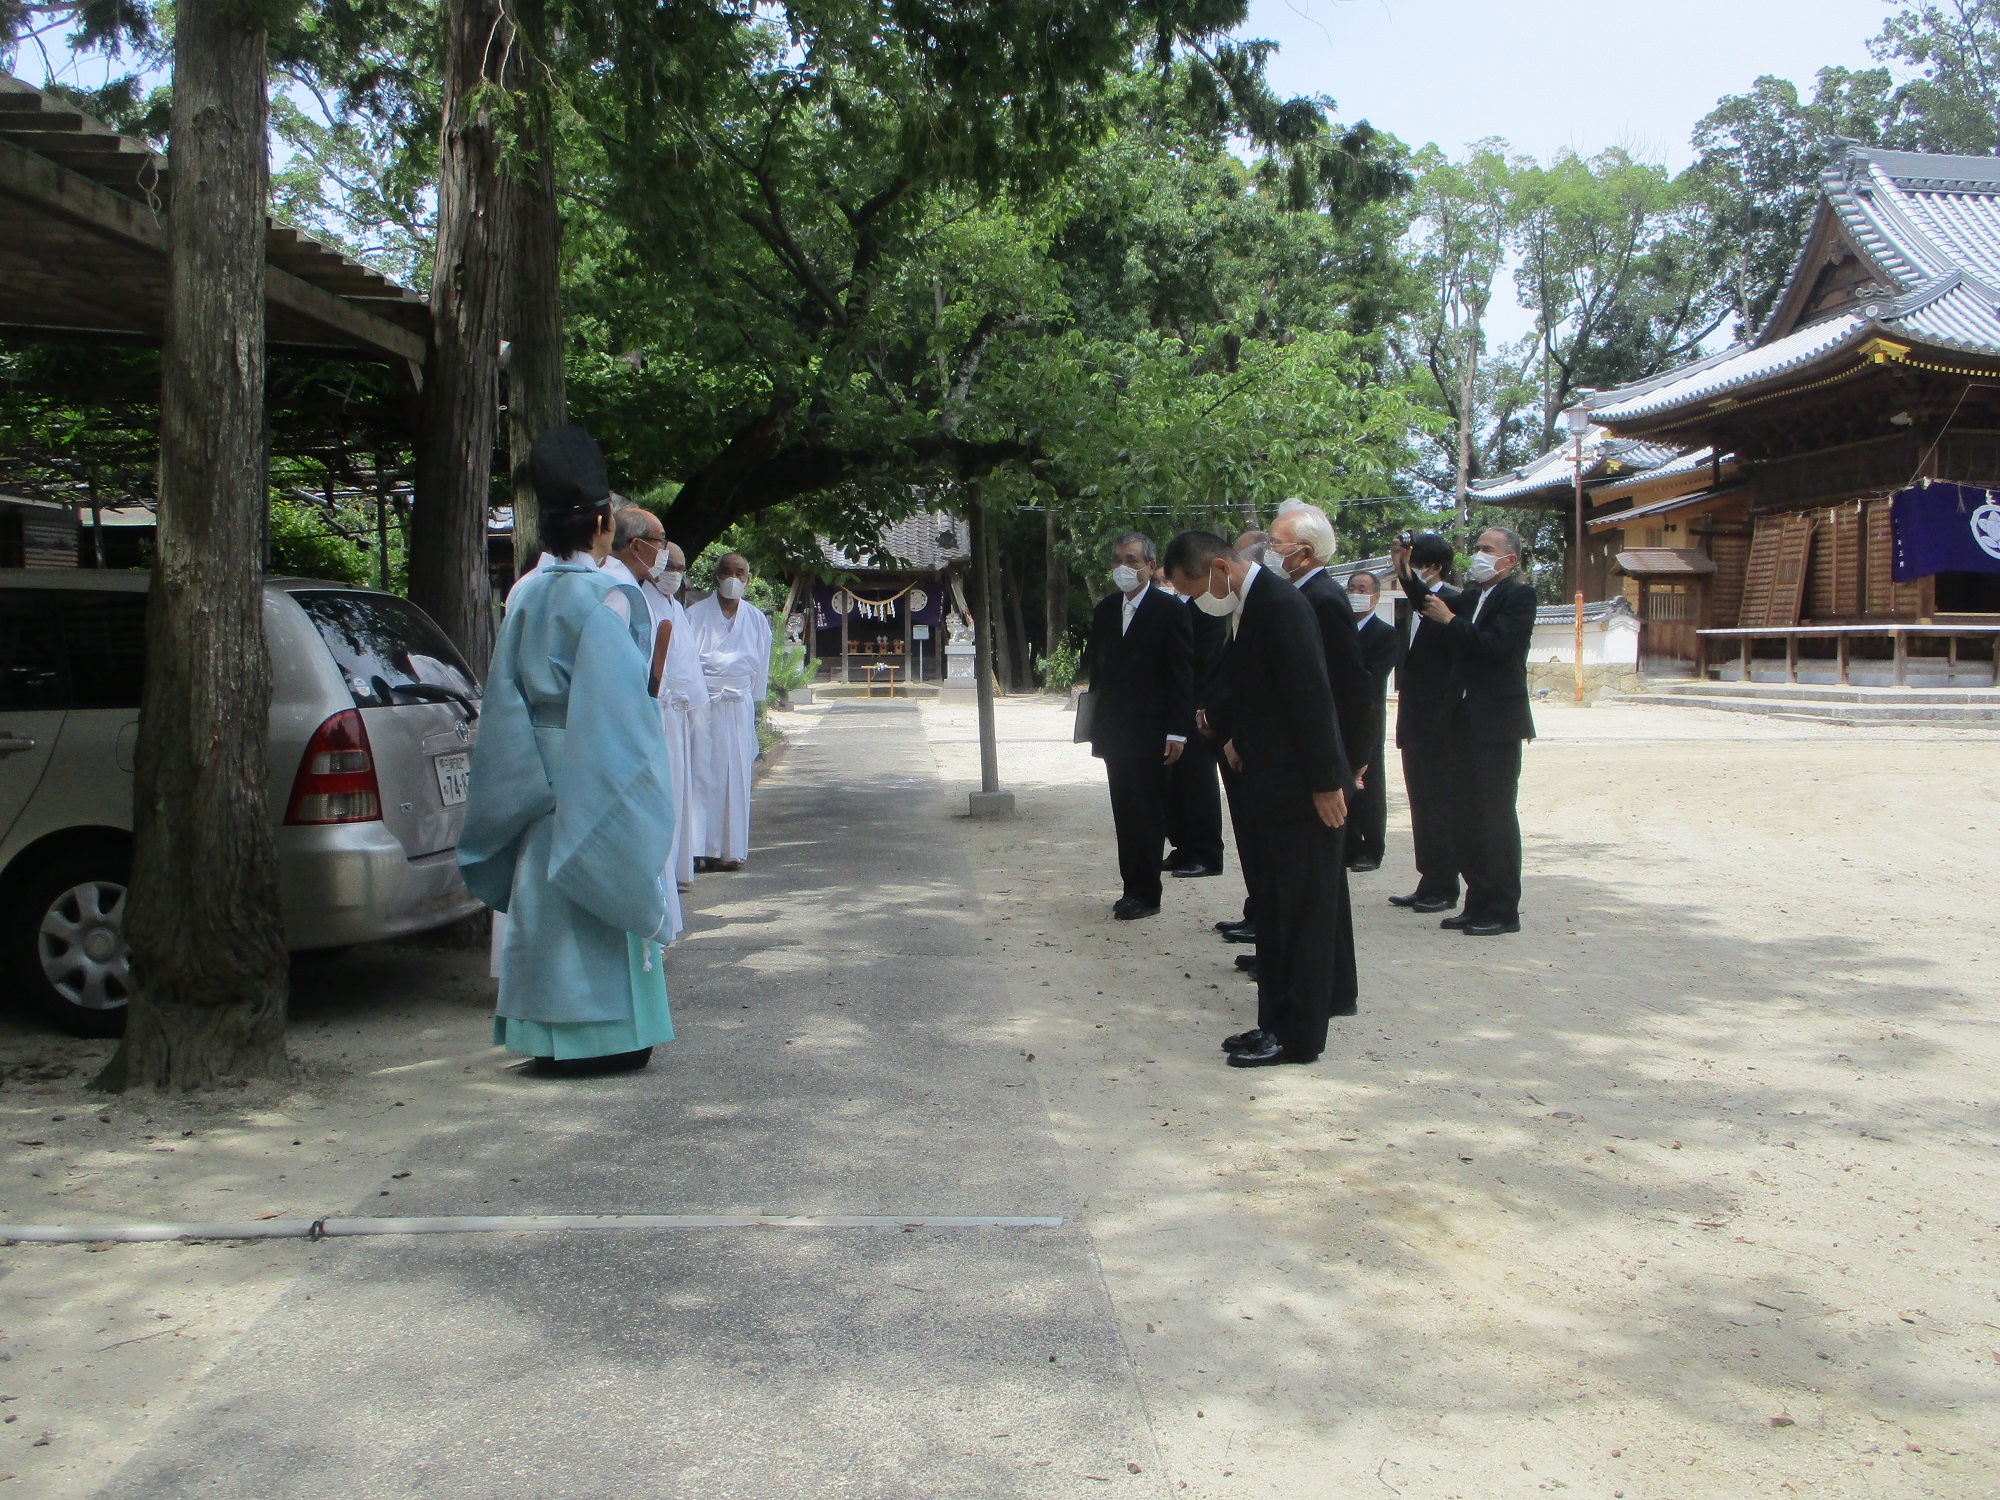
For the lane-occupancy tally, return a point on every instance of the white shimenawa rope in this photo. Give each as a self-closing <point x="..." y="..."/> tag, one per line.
<point x="334" y="1228"/>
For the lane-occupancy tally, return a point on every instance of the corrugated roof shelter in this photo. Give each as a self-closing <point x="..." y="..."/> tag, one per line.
<point x="85" y="247"/>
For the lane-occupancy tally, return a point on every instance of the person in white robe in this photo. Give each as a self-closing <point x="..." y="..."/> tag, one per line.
<point x="733" y="639"/>
<point x="638" y="556"/>
<point x="685" y="694"/>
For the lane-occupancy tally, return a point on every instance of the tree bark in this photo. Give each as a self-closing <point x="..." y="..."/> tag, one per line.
<point x="1055" y="607"/>
<point x="1003" y="652"/>
<point x="536" y="390"/>
<point x="209" y="968"/>
<point x="454" y="479"/>
<point x="1468" y="391"/>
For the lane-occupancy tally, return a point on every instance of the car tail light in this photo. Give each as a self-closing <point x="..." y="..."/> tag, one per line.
<point x="336" y="781"/>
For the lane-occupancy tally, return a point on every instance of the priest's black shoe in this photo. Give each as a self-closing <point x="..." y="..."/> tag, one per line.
<point x="1268" y="1052"/>
<point x="1242" y="932"/>
<point x="1429" y="907"/>
<point x="1126" y="908"/>
<point x="1463" y="919"/>
<point x="1230" y="924"/>
<point x="1244" y="1041"/>
<point x="1490" y="929"/>
<point x="1365" y="866"/>
<point x="1196" y="870"/>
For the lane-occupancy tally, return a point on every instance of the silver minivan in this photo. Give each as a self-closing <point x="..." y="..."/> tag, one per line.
<point x="373" y="718"/>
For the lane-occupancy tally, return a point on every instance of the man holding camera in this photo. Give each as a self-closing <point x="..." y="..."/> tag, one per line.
<point x="1425" y="705"/>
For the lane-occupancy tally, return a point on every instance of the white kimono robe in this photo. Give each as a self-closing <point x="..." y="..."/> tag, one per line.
<point x="736" y="665"/>
<point x="656" y="608"/>
<point x="684" y="702"/>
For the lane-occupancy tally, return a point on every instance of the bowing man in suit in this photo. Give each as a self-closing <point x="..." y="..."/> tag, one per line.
<point x="1426" y="703"/>
<point x="1212" y="722"/>
<point x="1139" y="662"/>
<point x="1490" y="627"/>
<point x="1368" y="813"/>
<point x="1285" y="736"/>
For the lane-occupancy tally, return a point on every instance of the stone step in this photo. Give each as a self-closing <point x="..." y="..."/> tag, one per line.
<point x="1821" y="692"/>
<point x="1825" y="712"/>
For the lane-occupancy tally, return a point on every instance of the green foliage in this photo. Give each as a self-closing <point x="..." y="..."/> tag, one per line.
<point x="1057" y="670"/>
<point x="1953" y="47"/>
<point x="308" y="541"/>
<point x="789" y="671"/>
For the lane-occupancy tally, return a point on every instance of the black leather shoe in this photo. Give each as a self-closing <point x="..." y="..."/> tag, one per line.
<point x="1197" y="871"/>
<point x="1244" y="1040"/>
<point x="1409" y="900"/>
<point x="1434" y="905"/>
<point x="1463" y="919"/>
<point x="1268" y="1053"/>
<point x="1230" y="924"/>
<point x="1127" y="909"/>
<point x="1247" y="962"/>
<point x="1171" y="862"/>
<point x="586" y="1067"/>
<point x="1365" y="866"/>
<point x="1490" y="929"/>
<point x="1242" y="932"/>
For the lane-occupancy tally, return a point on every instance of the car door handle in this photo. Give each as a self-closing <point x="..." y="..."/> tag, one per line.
<point x="14" y="744"/>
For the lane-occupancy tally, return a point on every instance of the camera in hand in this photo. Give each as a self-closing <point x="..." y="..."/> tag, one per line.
<point x="1406" y="538"/>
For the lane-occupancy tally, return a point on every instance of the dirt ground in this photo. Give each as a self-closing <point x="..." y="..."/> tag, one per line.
<point x="1688" y="1190"/>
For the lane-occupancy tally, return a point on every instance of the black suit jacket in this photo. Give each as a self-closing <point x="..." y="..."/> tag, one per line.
<point x="1355" y="697"/>
<point x="1426" y="681"/>
<point x="1281" y="712"/>
<point x="1142" y="679"/>
<point x="1378" y="655"/>
<point x="1490" y="659"/>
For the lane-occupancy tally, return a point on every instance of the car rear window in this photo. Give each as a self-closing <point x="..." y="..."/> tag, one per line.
<point x="104" y="637"/>
<point x="30" y="653"/>
<point x="381" y="641"/>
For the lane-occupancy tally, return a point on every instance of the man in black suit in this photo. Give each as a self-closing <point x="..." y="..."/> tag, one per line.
<point x="1194" y="800"/>
<point x="1426" y="701"/>
<point x="1285" y="735"/>
<point x="1302" y="544"/>
<point x="1491" y="626"/>
<point x="1139" y="662"/>
<point x="1211" y="722"/>
<point x="1368" y="813"/>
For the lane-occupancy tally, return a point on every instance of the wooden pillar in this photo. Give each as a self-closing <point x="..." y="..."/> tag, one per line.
<point x="845" y="674"/>
<point x="1840" y="656"/>
<point x="1791" y="658"/>
<point x="1902" y="641"/>
<point x="1745" y="668"/>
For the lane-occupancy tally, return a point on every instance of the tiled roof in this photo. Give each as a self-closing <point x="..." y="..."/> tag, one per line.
<point x="1928" y="228"/>
<point x="1702" y="498"/>
<point x="1748" y="365"/>
<point x="1665" y="562"/>
<point x="1565" y="614"/>
<point x="1603" y="455"/>
<point x="924" y="542"/>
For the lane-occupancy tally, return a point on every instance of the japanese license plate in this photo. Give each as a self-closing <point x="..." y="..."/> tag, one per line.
<point x="453" y="771"/>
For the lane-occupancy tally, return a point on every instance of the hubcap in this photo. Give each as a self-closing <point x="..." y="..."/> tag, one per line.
<point x="82" y="945"/>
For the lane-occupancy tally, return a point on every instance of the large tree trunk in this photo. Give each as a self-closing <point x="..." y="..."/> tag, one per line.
<point x="454" y="478"/>
<point x="1055" y="583"/>
<point x="1468" y="392"/>
<point x="208" y="951"/>
<point x="536" y="394"/>
<point x="982" y="638"/>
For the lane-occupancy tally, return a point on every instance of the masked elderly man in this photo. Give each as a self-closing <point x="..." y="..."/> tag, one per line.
<point x="1295" y="777"/>
<point x="642" y="558"/>
<point x="733" y="642"/>
<point x="569" y="819"/>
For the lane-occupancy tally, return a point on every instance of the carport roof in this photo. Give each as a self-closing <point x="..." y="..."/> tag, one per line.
<point x="86" y="242"/>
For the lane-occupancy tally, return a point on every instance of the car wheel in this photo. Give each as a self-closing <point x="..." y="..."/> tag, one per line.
<point x="67" y="940"/>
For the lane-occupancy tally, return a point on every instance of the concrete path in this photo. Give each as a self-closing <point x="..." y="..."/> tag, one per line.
<point x="843" y="1049"/>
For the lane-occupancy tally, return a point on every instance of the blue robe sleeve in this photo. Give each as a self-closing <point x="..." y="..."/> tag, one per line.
<point x="614" y="818"/>
<point x="509" y="789"/>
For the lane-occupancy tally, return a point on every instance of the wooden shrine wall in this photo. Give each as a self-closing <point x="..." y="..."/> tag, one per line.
<point x="1830" y="564"/>
<point x="1731" y="555"/>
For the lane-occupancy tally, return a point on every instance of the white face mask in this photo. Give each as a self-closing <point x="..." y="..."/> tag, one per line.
<point x="1209" y="604"/>
<point x="1484" y="567"/>
<point x="1274" y="560"/>
<point x="1430" y="575"/>
<point x="668" y="580"/>
<point x="1361" y="604"/>
<point x="730" y="588"/>
<point x="1124" y="579"/>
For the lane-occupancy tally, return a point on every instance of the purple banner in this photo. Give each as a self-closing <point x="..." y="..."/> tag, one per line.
<point x="1946" y="528"/>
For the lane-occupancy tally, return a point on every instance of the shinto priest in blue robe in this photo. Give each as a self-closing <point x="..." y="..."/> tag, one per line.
<point x="569" y="820"/>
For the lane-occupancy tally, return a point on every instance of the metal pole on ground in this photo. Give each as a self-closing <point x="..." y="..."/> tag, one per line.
<point x="989" y="801"/>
